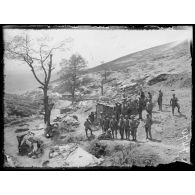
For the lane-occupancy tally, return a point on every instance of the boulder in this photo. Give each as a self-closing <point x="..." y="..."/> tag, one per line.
<point x="71" y="155"/>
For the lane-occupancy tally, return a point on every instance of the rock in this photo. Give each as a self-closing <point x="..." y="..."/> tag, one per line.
<point x="30" y="145"/>
<point x="71" y="121"/>
<point x="71" y="155"/>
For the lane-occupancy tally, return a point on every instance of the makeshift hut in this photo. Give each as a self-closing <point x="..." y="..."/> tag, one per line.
<point x="106" y="109"/>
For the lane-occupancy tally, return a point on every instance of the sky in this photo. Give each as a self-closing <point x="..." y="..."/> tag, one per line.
<point x="96" y="46"/>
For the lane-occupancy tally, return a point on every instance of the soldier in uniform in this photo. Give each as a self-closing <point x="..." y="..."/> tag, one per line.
<point x="129" y="108"/>
<point x="124" y="107"/>
<point x="149" y="96"/>
<point x="149" y="108"/>
<point x="134" y="125"/>
<point x="106" y="124"/>
<point x="92" y="117"/>
<point x="160" y="95"/>
<point x="174" y="103"/>
<point x="126" y="127"/>
<point x="114" y="126"/>
<point x="142" y="94"/>
<point x="148" y="125"/>
<point x="117" y="110"/>
<point x="121" y="126"/>
<point x="87" y="125"/>
<point x="140" y="107"/>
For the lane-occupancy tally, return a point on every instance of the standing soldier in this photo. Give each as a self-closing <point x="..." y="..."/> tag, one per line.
<point x="140" y="107"/>
<point x="121" y="126"/>
<point x="106" y="124"/>
<point x="148" y="125"/>
<point x="134" y="125"/>
<point x="117" y="110"/>
<point x="143" y="97"/>
<point x="92" y="117"/>
<point x="124" y="107"/>
<point x="113" y="126"/>
<point x="149" y="96"/>
<point x="149" y="108"/>
<point x="160" y="95"/>
<point x="126" y="127"/>
<point x="87" y="125"/>
<point x="129" y="108"/>
<point x="174" y="103"/>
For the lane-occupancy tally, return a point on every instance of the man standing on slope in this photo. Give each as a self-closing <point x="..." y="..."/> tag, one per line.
<point x="117" y="110"/>
<point x="149" y="107"/>
<point x="114" y="126"/>
<point x="148" y="125"/>
<point x="174" y="103"/>
<point x="140" y="107"/>
<point x="87" y="125"/>
<point x="121" y="126"/>
<point x="126" y="126"/>
<point x="134" y="125"/>
<point x="160" y="95"/>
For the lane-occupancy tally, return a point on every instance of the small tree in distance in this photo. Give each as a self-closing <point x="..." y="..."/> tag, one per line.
<point x="70" y="73"/>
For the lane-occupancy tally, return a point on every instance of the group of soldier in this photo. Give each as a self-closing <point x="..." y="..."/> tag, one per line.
<point x="123" y="119"/>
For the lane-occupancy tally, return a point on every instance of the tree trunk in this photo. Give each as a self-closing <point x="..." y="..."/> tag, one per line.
<point x="46" y="107"/>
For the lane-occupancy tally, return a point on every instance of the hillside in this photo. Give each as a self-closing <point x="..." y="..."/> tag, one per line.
<point x="167" y="54"/>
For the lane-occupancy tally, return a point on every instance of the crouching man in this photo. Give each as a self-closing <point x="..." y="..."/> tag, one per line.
<point x="87" y="125"/>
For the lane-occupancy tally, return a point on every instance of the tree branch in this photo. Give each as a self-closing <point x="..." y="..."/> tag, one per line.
<point x="33" y="71"/>
<point x="42" y="65"/>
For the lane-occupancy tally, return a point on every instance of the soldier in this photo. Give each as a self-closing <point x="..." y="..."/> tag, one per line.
<point x="160" y="95"/>
<point x="149" y="108"/>
<point x="106" y="124"/>
<point x="121" y="126"/>
<point x="174" y="103"/>
<point x="92" y="117"/>
<point x="126" y="127"/>
<point x="148" y="125"/>
<point x="140" y="107"/>
<point x="87" y="125"/>
<point x="149" y="96"/>
<point x="124" y="107"/>
<point x="134" y="125"/>
<point x="142" y="94"/>
<point x="129" y="108"/>
<point x="117" y="110"/>
<point x="113" y="126"/>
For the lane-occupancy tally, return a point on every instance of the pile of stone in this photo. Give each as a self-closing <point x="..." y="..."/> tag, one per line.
<point x="67" y="122"/>
<point x="30" y="145"/>
<point x="71" y="155"/>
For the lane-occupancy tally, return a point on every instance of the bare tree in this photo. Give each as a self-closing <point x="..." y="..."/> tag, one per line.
<point x="37" y="58"/>
<point x="70" y="73"/>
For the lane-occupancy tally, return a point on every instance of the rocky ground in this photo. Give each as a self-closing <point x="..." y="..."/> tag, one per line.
<point x="171" y="134"/>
